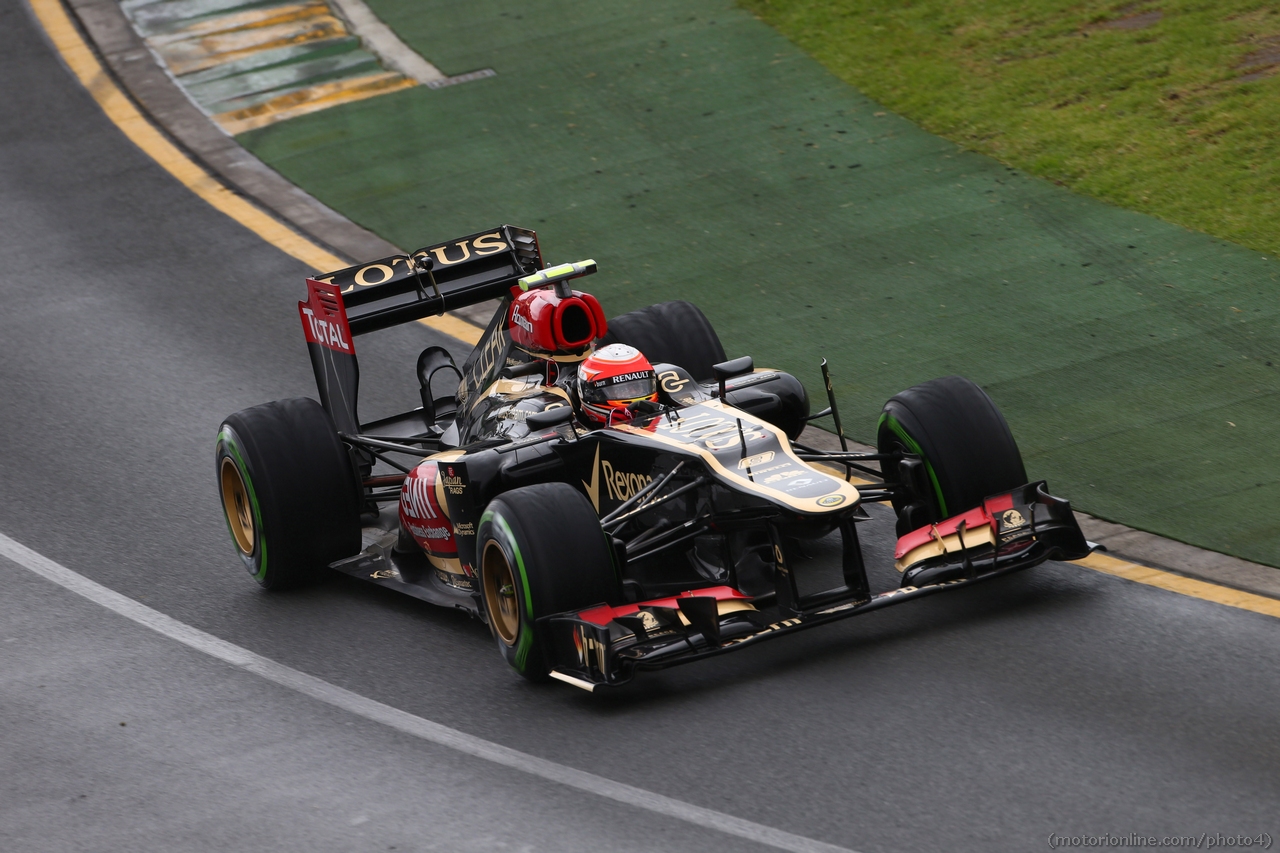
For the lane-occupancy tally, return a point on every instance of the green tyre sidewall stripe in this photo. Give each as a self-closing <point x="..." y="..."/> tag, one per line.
<point x="256" y="563"/>
<point x="887" y="420"/>
<point x="525" y="640"/>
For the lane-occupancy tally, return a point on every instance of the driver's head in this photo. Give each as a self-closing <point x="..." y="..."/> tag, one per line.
<point x="612" y="378"/>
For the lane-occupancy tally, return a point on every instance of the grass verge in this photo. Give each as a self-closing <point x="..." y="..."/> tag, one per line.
<point x="1165" y="107"/>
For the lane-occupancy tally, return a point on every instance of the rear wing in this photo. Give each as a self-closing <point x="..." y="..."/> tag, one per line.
<point x="435" y="279"/>
<point x="401" y="289"/>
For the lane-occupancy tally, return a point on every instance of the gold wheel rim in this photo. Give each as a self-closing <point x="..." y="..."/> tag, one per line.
<point x="235" y="503"/>
<point x="500" y="593"/>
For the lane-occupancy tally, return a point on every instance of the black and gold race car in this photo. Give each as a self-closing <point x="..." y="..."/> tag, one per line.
<point x="663" y="533"/>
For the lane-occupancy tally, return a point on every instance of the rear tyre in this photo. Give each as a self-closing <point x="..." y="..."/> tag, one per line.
<point x="674" y="332"/>
<point x="541" y="551"/>
<point x="289" y="492"/>
<point x="964" y="442"/>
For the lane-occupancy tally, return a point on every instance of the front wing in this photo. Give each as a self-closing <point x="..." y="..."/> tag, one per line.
<point x="605" y="646"/>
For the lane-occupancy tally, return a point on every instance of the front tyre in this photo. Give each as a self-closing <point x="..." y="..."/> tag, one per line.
<point x="964" y="443"/>
<point x="289" y="491"/>
<point x="541" y="551"/>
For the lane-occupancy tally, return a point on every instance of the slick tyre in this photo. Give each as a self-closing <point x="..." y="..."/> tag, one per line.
<point x="674" y="332"/>
<point x="288" y="489"/>
<point x="964" y="442"/>
<point x="541" y="551"/>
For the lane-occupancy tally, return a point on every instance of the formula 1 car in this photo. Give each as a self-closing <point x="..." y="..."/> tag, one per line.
<point x="664" y="530"/>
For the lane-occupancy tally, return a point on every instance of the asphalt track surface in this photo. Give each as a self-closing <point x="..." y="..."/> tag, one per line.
<point x="135" y="317"/>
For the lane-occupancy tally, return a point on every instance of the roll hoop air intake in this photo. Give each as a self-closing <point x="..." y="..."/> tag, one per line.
<point x="549" y="318"/>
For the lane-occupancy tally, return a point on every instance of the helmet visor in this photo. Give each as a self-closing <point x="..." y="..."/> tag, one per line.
<point x="617" y="392"/>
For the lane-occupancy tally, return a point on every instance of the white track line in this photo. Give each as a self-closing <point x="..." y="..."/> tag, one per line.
<point x="402" y="720"/>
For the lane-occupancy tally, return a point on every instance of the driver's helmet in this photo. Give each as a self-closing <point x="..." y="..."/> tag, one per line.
<point x="612" y="378"/>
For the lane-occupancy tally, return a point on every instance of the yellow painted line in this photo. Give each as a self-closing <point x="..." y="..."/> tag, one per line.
<point x="84" y="64"/>
<point x="312" y="99"/>
<point x="1182" y="585"/>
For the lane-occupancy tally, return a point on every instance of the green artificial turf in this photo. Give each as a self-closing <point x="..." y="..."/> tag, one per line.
<point x="696" y="153"/>
<point x="1164" y="106"/>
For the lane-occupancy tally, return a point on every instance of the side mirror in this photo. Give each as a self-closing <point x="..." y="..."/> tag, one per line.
<point x="548" y="418"/>
<point x="726" y="370"/>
